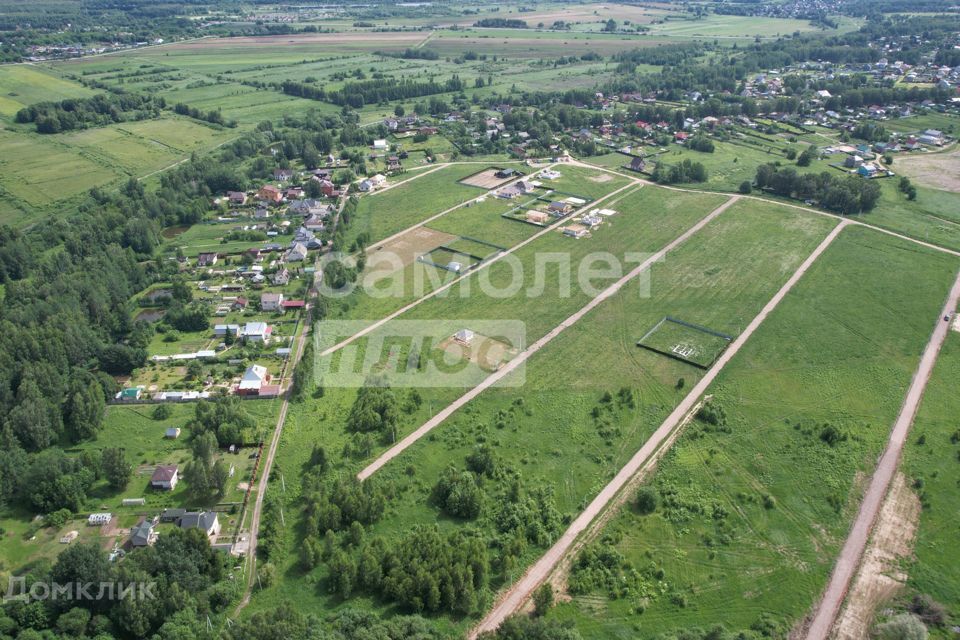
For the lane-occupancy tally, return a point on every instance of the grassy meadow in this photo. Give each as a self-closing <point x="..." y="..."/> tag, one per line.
<point x="744" y="540"/>
<point x="545" y="430"/>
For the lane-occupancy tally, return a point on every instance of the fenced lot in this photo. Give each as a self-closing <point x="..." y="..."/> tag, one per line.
<point x="685" y="341"/>
<point x="488" y="178"/>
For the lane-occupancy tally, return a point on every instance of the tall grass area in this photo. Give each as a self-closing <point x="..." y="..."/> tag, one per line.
<point x="752" y="510"/>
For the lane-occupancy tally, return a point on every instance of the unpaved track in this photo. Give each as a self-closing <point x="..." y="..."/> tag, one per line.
<point x="880" y="576"/>
<point x="849" y="559"/>
<point x="265" y="472"/>
<point x="521" y="591"/>
<point x="522" y="357"/>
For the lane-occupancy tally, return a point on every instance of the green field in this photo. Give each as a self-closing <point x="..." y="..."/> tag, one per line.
<point x="930" y="463"/>
<point x="752" y="513"/>
<point x="547" y="432"/>
<point x="23" y="85"/>
<point x="416" y="199"/>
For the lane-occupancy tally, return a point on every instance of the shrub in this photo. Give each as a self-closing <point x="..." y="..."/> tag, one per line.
<point x="646" y="500"/>
<point x="543" y="599"/>
<point x="905" y="626"/>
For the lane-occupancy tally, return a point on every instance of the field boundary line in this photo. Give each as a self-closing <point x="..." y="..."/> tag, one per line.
<point x="535" y="575"/>
<point x="524" y="355"/>
<point x="483" y="265"/>
<point x="848" y="562"/>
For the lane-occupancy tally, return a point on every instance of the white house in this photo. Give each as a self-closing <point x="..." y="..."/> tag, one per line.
<point x="257" y="332"/>
<point x="165" y="477"/>
<point x="253" y="378"/>
<point x="271" y="301"/>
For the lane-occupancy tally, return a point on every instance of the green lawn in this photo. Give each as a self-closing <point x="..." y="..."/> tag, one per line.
<point x="387" y="212"/>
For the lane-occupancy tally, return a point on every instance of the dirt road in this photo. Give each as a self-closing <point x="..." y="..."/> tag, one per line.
<point x="521" y="591"/>
<point x="265" y="467"/>
<point x="849" y="559"/>
<point x="522" y="357"/>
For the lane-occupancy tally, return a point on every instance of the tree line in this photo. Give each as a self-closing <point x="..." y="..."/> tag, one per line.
<point x="82" y="113"/>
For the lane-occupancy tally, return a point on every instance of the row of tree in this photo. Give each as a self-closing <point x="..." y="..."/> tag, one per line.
<point x="81" y="113"/>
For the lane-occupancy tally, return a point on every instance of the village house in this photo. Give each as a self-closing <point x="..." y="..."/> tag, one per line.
<point x="222" y="330"/>
<point x="308" y="207"/>
<point x="296" y="253"/>
<point x="143" y="534"/>
<point x="237" y="197"/>
<point x="315" y="223"/>
<point x="270" y="193"/>
<point x="207" y="259"/>
<point x="283" y="175"/>
<point x="638" y="164"/>
<point x="206" y="521"/>
<point x="257" y="332"/>
<point x="559" y="208"/>
<point x="281" y="277"/>
<point x="293" y="193"/>
<point x="393" y="163"/>
<point x="253" y="378"/>
<point x="165" y="477"/>
<point x="380" y="145"/>
<point x="271" y="301"/>
<point x="372" y="183"/>
<point x="328" y="189"/>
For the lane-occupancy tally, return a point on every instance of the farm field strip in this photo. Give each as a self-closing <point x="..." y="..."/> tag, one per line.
<point x="856" y="542"/>
<point x="451" y="283"/>
<point x="522" y="590"/>
<point x="536" y="346"/>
